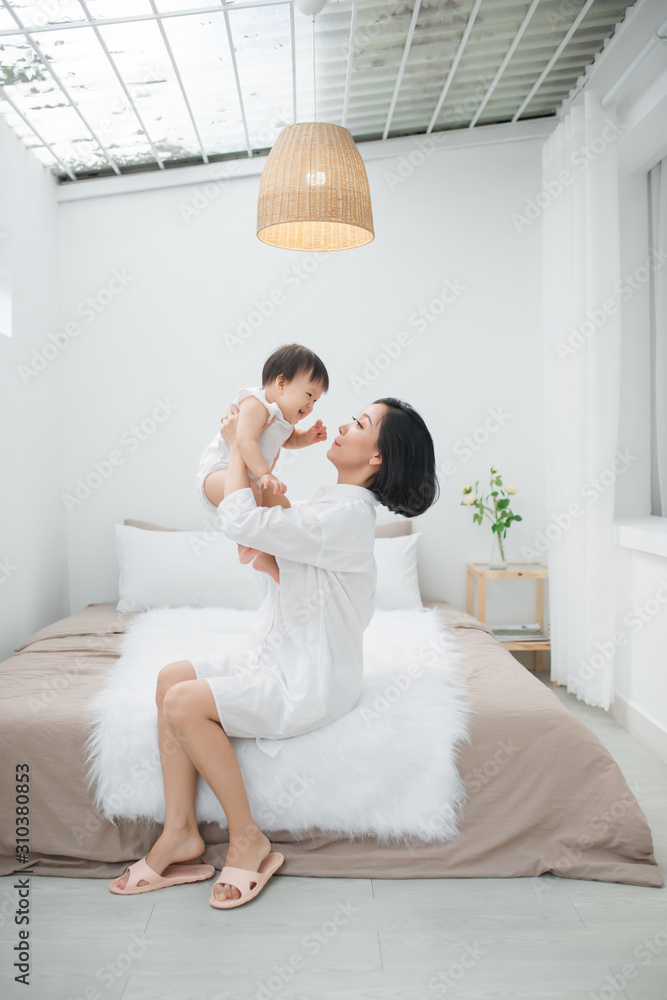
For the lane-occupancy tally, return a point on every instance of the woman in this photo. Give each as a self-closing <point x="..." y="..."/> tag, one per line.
<point x="306" y="666"/>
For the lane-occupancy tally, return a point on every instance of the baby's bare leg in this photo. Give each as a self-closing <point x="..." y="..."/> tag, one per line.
<point x="214" y="486"/>
<point x="264" y="562"/>
<point x="246" y="552"/>
<point x="267" y="564"/>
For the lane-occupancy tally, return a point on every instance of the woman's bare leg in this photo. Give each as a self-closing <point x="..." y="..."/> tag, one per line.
<point x="180" y="839"/>
<point x="192" y="715"/>
<point x="192" y="741"/>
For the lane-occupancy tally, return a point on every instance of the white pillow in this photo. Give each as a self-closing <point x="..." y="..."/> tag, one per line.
<point x="177" y="569"/>
<point x="397" y="582"/>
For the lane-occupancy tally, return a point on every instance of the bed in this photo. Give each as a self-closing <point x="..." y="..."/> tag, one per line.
<point x="543" y="794"/>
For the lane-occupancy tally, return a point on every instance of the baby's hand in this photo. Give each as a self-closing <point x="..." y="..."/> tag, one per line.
<point x="269" y="482"/>
<point x="317" y="432"/>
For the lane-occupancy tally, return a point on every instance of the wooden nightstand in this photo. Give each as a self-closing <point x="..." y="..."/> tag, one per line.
<point x="480" y="572"/>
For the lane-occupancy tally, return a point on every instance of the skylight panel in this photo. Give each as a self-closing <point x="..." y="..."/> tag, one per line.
<point x="155" y="82"/>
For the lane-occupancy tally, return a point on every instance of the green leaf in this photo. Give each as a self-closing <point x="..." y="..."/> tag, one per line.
<point x="502" y="504"/>
<point x="517" y="518"/>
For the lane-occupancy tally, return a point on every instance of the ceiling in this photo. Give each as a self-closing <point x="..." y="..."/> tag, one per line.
<point x="104" y="87"/>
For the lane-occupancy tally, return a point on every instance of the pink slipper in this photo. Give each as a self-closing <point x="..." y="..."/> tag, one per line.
<point x="176" y="874"/>
<point x="248" y="883"/>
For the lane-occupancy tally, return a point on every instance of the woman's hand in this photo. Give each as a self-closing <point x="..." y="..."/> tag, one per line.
<point x="228" y="425"/>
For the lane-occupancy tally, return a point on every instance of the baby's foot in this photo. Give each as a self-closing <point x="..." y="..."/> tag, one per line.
<point x="265" y="563"/>
<point x="247" y="554"/>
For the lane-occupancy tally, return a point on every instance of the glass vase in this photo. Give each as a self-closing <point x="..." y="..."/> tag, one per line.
<point x="497" y="559"/>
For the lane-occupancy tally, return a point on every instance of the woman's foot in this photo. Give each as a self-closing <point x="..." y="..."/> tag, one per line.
<point x="168" y="848"/>
<point x="244" y="852"/>
<point x="247" y="554"/>
<point x="265" y="563"/>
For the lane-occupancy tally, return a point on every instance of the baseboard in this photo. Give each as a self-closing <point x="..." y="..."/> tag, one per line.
<point x="646" y="729"/>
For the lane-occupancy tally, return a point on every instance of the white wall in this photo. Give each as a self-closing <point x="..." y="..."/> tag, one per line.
<point x="33" y="565"/>
<point x="191" y="277"/>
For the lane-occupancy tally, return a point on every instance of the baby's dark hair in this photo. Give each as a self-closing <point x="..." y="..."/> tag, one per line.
<point x="291" y="360"/>
<point x="406" y="482"/>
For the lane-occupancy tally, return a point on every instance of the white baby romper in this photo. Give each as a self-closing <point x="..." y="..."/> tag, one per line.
<point x="304" y="665"/>
<point x="273" y="436"/>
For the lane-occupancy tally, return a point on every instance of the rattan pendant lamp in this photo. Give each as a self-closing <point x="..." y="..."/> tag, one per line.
<point x="313" y="193"/>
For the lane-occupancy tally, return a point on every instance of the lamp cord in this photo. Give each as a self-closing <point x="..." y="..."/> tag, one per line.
<point x="314" y="84"/>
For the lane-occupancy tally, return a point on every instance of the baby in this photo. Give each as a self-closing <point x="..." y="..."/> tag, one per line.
<point x="293" y="379"/>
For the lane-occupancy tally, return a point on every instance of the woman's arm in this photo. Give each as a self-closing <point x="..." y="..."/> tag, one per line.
<point x="335" y="539"/>
<point x="338" y="538"/>
<point x="236" y="480"/>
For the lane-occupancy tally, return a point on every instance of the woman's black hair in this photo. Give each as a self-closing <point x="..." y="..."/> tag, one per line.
<point x="406" y="482"/>
<point x="292" y="359"/>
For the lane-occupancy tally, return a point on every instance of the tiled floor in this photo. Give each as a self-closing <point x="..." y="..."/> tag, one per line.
<point x="315" y="939"/>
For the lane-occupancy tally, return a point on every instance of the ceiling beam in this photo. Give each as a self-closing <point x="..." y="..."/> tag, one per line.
<point x="155" y="16"/>
<point x="232" y="52"/>
<point x="503" y="65"/>
<point x="114" y="67"/>
<point x="547" y="69"/>
<point x="401" y="68"/>
<point x="348" y="71"/>
<point x="292" y="40"/>
<point x="93" y="187"/>
<point x="454" y="66"/>
<point x="180" y="82"/>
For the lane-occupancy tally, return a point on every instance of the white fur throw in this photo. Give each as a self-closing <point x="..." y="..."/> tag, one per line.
<point x="387" y="768"/>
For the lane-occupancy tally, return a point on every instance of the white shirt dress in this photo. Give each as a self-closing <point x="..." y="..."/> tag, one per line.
<point x="216" y="455"/>
<point x="303" y="666"/>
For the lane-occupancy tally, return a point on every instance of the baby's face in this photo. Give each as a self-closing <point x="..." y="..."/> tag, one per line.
<point x="298" y="397"/>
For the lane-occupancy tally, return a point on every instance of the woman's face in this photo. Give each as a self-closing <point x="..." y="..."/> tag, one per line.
<point x="354" y="449"/>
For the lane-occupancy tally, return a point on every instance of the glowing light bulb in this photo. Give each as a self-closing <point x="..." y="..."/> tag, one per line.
<point x="316" y="179"/>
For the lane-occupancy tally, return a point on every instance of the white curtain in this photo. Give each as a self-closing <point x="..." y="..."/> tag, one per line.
<point x="581" y="330"/>
<point x="658" y="239"/>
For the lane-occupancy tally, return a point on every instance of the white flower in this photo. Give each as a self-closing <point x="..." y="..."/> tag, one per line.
<point x="466" y="489"/>
<point x="471" y="498"/>
<point x="494" y="468"/>
<point x="511" y="488"/>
